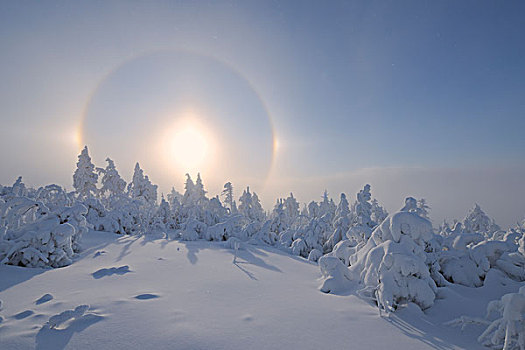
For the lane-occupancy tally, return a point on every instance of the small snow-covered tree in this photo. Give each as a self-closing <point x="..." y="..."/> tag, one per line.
<point x="393" y="265"/>
<point x="279" y="218"/>
<point x="313" y="210"/>
<point x="85" y="178"/>
<point x="477" y="221"/>
<point x="378" y="212"/>
<point x="423" y="208"/>
<point x="362" y="224"/>
<point x="141" y="187"/>
<point x="112" y="184"/>
<point x="250" y="206"/>
<point x="327" y="206"/>
<point x="174" y="196"/>
<point x="199" y="192"/>
<point x="291" y="207"/>
<point x="341" y="224"/>
<point x="227" y="193"/>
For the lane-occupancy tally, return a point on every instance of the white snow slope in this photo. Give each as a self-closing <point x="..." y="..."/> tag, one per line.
<point x="156" y="293"/>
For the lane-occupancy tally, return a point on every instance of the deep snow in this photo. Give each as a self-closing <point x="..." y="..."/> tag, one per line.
<point x="152" y="292"/>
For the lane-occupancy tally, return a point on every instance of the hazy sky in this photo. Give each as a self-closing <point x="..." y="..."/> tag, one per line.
<point x="422" y="98"/>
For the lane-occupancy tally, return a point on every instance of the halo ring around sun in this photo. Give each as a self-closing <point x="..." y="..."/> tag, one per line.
<point x="104" y="117"/>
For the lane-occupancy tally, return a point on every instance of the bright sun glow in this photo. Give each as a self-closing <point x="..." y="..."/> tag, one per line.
<point x="189" y="148"/>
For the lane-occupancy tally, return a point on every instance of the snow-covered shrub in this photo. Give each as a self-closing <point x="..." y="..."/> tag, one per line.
<point x="314" y="255"/>
<point x="335" y="276"/>
<point x="458" y="267"/>
<point x="344" y="250"/>
<point x="233" y="243"/>
<point x="49" y="239"/>
<point x="264" y="235"/>
<point x="469" y="256"/>
<point x="286" y="238"/>
<point x="75" y="216"/>
<point x="513" y="262"/>
<point x="397" y="272"/>
<point x="299" y="247"/>
<point x="392" y="265"/>
<point x="224" y="230"/>
<point x="193" y="230"/>
<point x="54" y="196"/>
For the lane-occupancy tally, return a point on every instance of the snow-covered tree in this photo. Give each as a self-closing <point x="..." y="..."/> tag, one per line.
<point x="291" y="207"/>
<point x="423" y="208"/>
<point x="199" y="192"/>
<point x="227" y="193"/>
<point x="250" y="206"/>
<point x="327" y="206"/>
<point x="141" y="187"/>
<point x="392" y="265"/>
<point x="163" y="218"/>
<point x="112" y="184"/>
<point x="279" y="218"/>
<point x="313" y="210"/>
<point x="477" y="221"/>
<point x="85" y="177"/>
<point x="378" y="212"/>
<point x="341" y="224"/>
<point x="362" y="224"/>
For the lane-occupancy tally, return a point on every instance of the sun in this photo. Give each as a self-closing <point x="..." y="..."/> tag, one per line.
<point x="189" y="147"/>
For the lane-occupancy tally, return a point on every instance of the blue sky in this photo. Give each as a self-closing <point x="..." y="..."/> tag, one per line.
<point x="394" y="92"/>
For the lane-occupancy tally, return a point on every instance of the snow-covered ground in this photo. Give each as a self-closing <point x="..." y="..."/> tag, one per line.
<point x="152" y="292"/>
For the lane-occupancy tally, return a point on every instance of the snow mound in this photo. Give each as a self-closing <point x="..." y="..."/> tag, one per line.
<point x="336" y="276"/>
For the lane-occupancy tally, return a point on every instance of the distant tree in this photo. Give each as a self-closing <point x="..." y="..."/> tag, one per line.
<point x="341" y="224"/>
<point x="363" y="208"/>
<point x="250" y="206"/>
<point x="141" y="187"/>
<point x="379" y="213"/>
<point x="313" y="209"/>
<point x="423" y="208"/>
<point x="173" y="197"/>
<point x="291" y="207"/>
<point x="279" y="218"/>
<point x="85" y="178"/>
<point x="112" y="183"/>
<point x="327" y="206"/>
<point x="227" y="193"/>
<point x="199" y="192"/>
<point x="362" y="223"/>
<point x="189" y="187"/>
<point x="477" y="221"/>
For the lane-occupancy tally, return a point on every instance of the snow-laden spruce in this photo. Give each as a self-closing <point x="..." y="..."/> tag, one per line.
<point x="392" y="265"/>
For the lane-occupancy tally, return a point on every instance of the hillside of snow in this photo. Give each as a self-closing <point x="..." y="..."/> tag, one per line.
<point x="160" y="293"/>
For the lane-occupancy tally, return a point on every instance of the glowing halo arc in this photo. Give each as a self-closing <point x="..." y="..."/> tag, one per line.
<point x="80" y="128"/>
